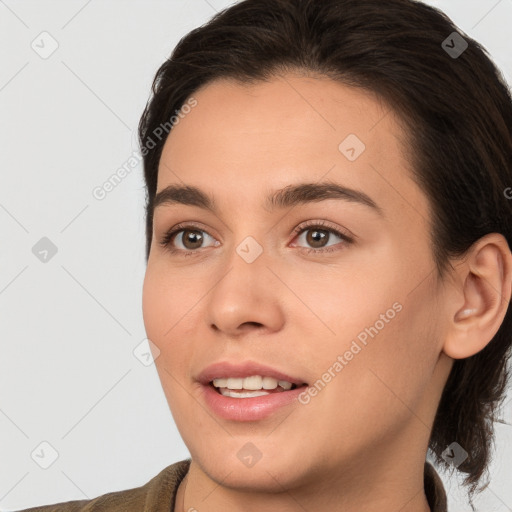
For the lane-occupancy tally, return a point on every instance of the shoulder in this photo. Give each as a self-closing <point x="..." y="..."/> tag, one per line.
<point x="156" y="495"/>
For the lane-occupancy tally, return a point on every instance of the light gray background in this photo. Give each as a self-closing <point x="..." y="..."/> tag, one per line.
<point x="68" y="328"/>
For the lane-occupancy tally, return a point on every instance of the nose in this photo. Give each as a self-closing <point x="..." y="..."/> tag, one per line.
<point x="248" y="297"/>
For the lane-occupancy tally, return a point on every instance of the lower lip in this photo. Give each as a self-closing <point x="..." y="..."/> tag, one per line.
<point x="249" y="409"/>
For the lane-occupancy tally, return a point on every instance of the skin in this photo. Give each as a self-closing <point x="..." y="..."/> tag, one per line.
<point x="360" y="443"/>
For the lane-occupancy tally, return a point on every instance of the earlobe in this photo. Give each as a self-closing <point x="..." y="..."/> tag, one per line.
<point x="485" y="281"/>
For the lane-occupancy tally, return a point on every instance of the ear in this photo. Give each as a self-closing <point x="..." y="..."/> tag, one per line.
<point x="480" y="298"/>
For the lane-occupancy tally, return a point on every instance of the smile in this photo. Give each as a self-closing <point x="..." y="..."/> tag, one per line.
<point x="252" y="386"/>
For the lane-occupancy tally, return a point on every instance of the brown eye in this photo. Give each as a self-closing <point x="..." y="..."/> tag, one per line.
<point x="186" y="239"/>
<point x="191" y="238"/>
<point x="317" y="237"/>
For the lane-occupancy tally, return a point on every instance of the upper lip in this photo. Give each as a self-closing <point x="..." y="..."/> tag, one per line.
<point x="225" y="369"/>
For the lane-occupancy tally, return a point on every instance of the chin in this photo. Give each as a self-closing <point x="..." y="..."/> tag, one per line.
<point x="269" y="476"/>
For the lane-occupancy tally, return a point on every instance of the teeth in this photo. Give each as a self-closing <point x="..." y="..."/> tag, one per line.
<point x="220" y="383"/>
<point x="235" y="383"/>
<point x="254" y="382"/>
<point x="285" y="384"/>
<point x="238" y="394"/>
<point x="269" y="383"/>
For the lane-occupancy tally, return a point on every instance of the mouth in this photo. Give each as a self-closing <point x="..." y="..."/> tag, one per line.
<point x="248" y="391"/>
<point x="247" y="379"/>
<point x="252" y="386"/>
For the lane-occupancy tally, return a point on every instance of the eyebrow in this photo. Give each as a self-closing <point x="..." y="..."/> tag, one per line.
<point x="289" y="196"/>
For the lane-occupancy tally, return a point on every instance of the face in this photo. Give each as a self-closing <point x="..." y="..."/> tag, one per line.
<point x="323" y="287"/>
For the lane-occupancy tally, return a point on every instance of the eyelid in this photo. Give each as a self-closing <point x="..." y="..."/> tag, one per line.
<point x="343" y="232"/>
<point x="183" y="226"/>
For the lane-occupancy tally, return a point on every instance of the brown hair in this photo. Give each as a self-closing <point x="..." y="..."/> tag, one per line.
<point x="457" y="111"/>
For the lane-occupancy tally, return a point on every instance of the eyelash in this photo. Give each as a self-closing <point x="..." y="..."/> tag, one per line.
<point x="307" y="226"/>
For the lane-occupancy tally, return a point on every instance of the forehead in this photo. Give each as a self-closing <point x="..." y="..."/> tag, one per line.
<point x="296" y="107"/>
<point x="290" y="128"/>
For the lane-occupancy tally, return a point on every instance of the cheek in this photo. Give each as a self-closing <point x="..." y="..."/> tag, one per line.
<point x="393" y="369"/>
<point x="373" y="395"/>
<point x="161" y="310"/>
<point x="385" y="335"/>
<point x="153" y="307"/>
<point x="165" y="301"/>
<point x="167" y="309"/>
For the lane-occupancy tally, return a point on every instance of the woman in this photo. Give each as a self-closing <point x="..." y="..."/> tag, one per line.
<point x="328" y="258"/>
